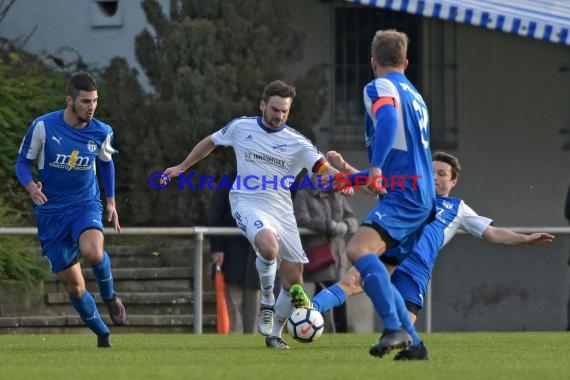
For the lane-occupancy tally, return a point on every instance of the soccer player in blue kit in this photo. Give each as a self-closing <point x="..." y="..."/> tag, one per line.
<point x="69" y="146"/>
<point x="412" y="276"/>
<point x="397" y="138"/>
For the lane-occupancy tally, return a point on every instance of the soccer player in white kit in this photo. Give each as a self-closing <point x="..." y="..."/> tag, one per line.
<point x="269" y="156"/>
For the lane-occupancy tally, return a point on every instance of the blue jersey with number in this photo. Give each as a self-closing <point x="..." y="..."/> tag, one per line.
<point x="66" y="160"/>
<point x="452" y="214"/>
<point x="409" y="156"/>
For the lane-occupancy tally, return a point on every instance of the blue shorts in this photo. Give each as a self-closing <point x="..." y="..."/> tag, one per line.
<point x="59" y="234"/>
<point x="408" y="288"/>
<point x="402" y="220"/>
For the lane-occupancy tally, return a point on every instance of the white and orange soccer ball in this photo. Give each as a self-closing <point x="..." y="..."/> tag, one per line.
<point x="305" y="324"/>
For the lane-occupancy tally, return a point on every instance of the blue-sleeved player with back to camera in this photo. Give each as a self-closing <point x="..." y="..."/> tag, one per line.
<point x="70" y="145"/>
<point x="397" y="139"/>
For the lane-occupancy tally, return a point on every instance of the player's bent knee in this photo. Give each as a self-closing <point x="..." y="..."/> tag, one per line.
<point x="267" y="244"/>
<point x="93" y="256"/>
<point x="74" y="290"/>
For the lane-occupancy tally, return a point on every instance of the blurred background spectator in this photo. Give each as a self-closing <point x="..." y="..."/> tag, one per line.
<point x="237" y="260"/>
<point x="329" y="215"/>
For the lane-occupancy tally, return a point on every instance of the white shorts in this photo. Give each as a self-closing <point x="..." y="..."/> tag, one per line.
<point x="251" y="219"/>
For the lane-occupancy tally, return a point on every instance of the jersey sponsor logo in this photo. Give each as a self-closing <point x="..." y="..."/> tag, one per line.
<point x="280" y="147"/>
<point x="253" y="157"/>
<point x="57" y="140"/>
<point x="71" y="161"/>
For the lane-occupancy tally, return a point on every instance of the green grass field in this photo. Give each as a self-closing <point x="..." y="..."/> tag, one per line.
<point x="335" y="356"/>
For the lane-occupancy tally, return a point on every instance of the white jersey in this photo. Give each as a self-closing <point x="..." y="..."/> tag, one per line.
<point x="268" y="160"/>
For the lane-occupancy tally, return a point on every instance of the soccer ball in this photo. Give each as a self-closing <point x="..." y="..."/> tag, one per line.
<point x="305" y="324"/>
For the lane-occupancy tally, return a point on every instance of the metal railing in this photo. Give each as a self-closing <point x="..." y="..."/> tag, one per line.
<point x="198" y="234"/>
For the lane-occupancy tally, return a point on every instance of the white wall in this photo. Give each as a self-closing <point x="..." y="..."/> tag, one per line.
<point x="513" y="101"/>
<point x="65" y="24"/>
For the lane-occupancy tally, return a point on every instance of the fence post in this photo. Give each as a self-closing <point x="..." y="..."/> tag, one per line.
<point x="198" y="279"/>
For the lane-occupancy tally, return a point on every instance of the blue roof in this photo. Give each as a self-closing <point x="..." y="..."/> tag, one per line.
<point x="547" y="20"/>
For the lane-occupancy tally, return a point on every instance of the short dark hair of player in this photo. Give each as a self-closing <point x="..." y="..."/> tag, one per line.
<point x="390" y="48"/>
<point x="278" y="88"/>
<point x="79" y="82"/>
<point x="450" y="160"/>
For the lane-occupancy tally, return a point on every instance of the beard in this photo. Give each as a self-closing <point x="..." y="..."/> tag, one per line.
<point x="275" y="122"/>
<point x="82" y="119"/>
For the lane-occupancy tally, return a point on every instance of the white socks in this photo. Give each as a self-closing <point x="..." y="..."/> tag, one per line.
<point x="283" y="309"/>
<point x="267" y="271"/>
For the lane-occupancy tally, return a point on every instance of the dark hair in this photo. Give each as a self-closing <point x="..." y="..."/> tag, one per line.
<point x="450" y="160"/>
<point x="278" y="88"/>
<point x="79" y="82"/>
<point x="390" y="48"/>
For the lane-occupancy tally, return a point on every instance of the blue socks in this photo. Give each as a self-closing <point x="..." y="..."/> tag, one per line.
<point x="328" y="298"/>
<point x="104" y="277"/>
<point x="89" y="314"/>
<point x="377" y="285"/>
<point x="405" y="316"/>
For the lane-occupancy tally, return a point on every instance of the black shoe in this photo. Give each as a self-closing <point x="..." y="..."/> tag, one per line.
<point x="390" y="340"/>
<point x="418" y="352"/>
<point x="116" y="310"/>
<point x="104" y="341"/>
<point x="276" y="342"/>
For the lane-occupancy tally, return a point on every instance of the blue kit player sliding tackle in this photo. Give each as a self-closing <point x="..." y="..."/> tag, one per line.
<point x="412" y="276"/>
<point x="68" y="145"/>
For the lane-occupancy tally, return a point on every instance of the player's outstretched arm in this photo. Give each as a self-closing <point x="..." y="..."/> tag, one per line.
<point x="201" y="150"/>
<point x="330" y="172"/>
<point x="338" y="162"/>
<point x="497" y="235"/>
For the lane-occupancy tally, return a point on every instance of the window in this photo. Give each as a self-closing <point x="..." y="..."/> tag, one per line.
<point x="433" y="73"/>
<point x="439" y="85"/>
<point x="106" y="13"/>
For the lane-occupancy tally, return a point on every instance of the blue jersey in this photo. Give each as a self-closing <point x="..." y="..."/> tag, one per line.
<point x="66" y="160"/>
<point x="409" y="155"/>
<point x="452" y="214"/>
